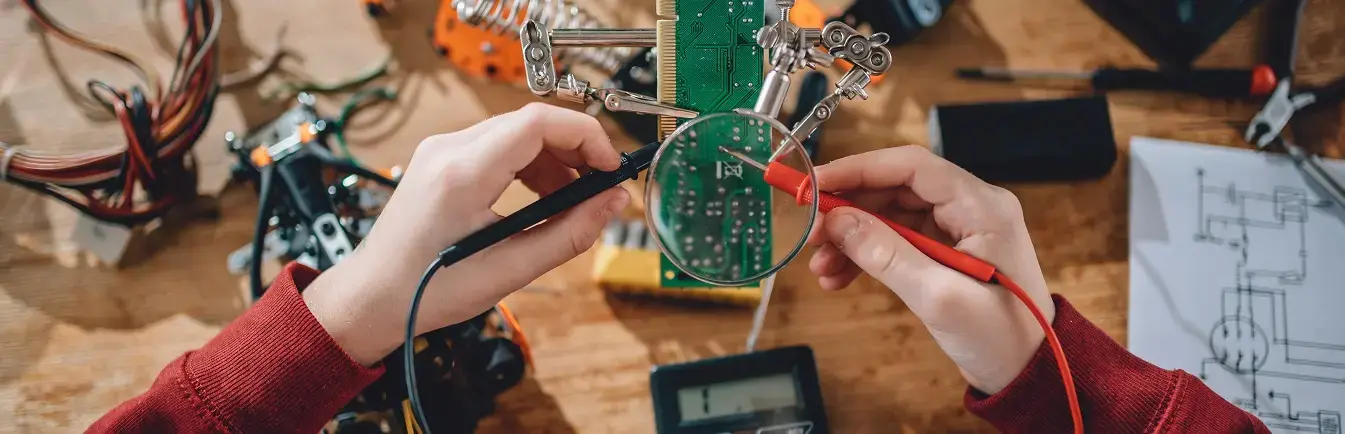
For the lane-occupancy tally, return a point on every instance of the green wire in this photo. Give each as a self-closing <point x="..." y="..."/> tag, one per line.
<point x="294" y="88"/>
<point x="358" y="101"/>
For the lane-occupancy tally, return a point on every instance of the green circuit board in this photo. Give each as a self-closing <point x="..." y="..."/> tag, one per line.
<point x="719" y="207"/>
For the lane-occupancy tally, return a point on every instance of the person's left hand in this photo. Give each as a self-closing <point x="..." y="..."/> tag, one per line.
<point x="446" y="194"/>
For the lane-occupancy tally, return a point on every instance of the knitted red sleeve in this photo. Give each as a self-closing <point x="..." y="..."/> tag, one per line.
<point x="1118" y="392"/>
<point x="274" y="369"/>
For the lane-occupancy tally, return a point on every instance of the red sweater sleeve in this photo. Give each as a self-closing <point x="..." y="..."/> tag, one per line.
<point x="1118" y="392"/>
<point x="274" y="369"/>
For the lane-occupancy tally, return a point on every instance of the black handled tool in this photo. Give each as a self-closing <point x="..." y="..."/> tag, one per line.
<point x="1214" y="83"/>
<point x="550" y="205"/>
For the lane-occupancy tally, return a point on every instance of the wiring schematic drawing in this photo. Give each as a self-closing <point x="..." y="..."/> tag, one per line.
<point x="1252" y="348"/>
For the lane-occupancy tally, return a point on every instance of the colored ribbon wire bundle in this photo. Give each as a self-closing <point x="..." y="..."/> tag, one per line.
<point x="154" y="171"/>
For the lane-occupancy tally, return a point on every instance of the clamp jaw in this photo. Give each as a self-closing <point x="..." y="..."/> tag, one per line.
<point x="792" y="48"/>
<point x="542" y="79"/>
<point x="1269" y="123"/>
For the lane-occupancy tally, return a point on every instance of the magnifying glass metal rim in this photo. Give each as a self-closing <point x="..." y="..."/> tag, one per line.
<point x="789" y="144"/>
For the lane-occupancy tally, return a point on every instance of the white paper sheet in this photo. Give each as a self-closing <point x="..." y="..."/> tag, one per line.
<point x="1237" y="275"/>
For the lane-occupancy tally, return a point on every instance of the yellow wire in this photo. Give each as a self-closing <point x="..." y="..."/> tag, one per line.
<point x="411" y="427"/>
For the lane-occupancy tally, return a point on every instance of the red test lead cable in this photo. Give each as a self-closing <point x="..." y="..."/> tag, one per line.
<point x="788" y="180"/>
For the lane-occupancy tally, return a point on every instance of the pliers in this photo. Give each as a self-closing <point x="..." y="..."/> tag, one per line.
<point x="1267" y="128"/>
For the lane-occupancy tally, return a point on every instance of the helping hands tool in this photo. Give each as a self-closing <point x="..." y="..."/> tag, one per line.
<point x="543" y="80"/>
<point x="1267" y="128"/>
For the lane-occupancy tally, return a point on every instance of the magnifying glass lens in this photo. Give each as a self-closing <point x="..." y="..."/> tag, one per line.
<point x="712" y="214"/>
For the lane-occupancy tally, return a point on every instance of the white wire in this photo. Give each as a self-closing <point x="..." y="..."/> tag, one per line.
<point x="5" y="158"/>
<point x="759" y="318"/>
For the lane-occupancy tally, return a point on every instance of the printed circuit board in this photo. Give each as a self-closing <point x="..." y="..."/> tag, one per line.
<point x="709" y="61"/>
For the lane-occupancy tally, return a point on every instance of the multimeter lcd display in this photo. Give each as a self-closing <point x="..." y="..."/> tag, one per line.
<point x="738" y="397"/>
<point x="766" y="392"/>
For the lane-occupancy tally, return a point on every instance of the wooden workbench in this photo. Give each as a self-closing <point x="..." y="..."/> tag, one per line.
<point x="76" y="339"/>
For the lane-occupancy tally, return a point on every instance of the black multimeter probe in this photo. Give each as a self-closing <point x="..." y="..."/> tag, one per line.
<point x="574" y="193"/>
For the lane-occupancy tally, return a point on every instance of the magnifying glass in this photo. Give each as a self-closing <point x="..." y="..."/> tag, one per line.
<point x="713" y="216"/>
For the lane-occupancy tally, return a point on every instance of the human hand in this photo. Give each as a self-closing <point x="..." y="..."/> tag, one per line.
<point x="983" y="327"/>
<point x="445" y="195"/>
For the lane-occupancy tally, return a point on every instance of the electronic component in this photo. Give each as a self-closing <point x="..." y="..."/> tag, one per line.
<point x="768" y="392"/>
<point x="713" y="223"/>
<point x="709" y="32"/>
<point x="627" y="262"/>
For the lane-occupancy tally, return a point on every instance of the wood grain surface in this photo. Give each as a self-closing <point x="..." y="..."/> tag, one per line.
<point x="76" y="338"/>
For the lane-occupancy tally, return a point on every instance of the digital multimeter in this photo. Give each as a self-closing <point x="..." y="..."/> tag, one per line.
<point x="766" y="392"/>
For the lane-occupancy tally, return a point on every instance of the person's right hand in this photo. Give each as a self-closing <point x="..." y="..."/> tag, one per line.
<point x="983" y="328"/>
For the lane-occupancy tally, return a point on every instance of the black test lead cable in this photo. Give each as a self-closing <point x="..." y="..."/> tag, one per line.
<point x="548" y="206"/>
<point x="264" y="187"/>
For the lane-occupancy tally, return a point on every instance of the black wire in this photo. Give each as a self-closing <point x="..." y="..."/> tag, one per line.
<point x="47" y="190"/>
<point x="409" y="345"/>
<point x="115" y="184"/>
<point x="94" y="85"/>
<point x="259" y="231"/>
<point x="142" y="126"/>
<point x="178" y="65"/>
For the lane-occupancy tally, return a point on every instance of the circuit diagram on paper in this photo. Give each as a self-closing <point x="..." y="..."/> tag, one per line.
<point x="1238" y="277"/>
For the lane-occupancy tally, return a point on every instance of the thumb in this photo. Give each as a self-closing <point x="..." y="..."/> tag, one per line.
<point x="550" y="244"/>
<point x="879" y="251"/>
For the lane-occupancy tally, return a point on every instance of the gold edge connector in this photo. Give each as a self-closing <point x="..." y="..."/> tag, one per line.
<point x="665" y="8"/>
<point x="666" y="42"/>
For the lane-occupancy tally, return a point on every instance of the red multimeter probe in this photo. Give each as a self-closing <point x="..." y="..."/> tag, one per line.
<point x="788" y="180"/>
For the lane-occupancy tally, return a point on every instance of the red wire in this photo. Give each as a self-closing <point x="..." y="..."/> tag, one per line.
<point x="81" y="179"/>
<point x="1075" y="412"/>
<point x="799" y="185"/>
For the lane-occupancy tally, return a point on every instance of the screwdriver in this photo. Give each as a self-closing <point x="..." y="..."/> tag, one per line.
<point x="788" y="180"/>
<point x="1214" y="83"/>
